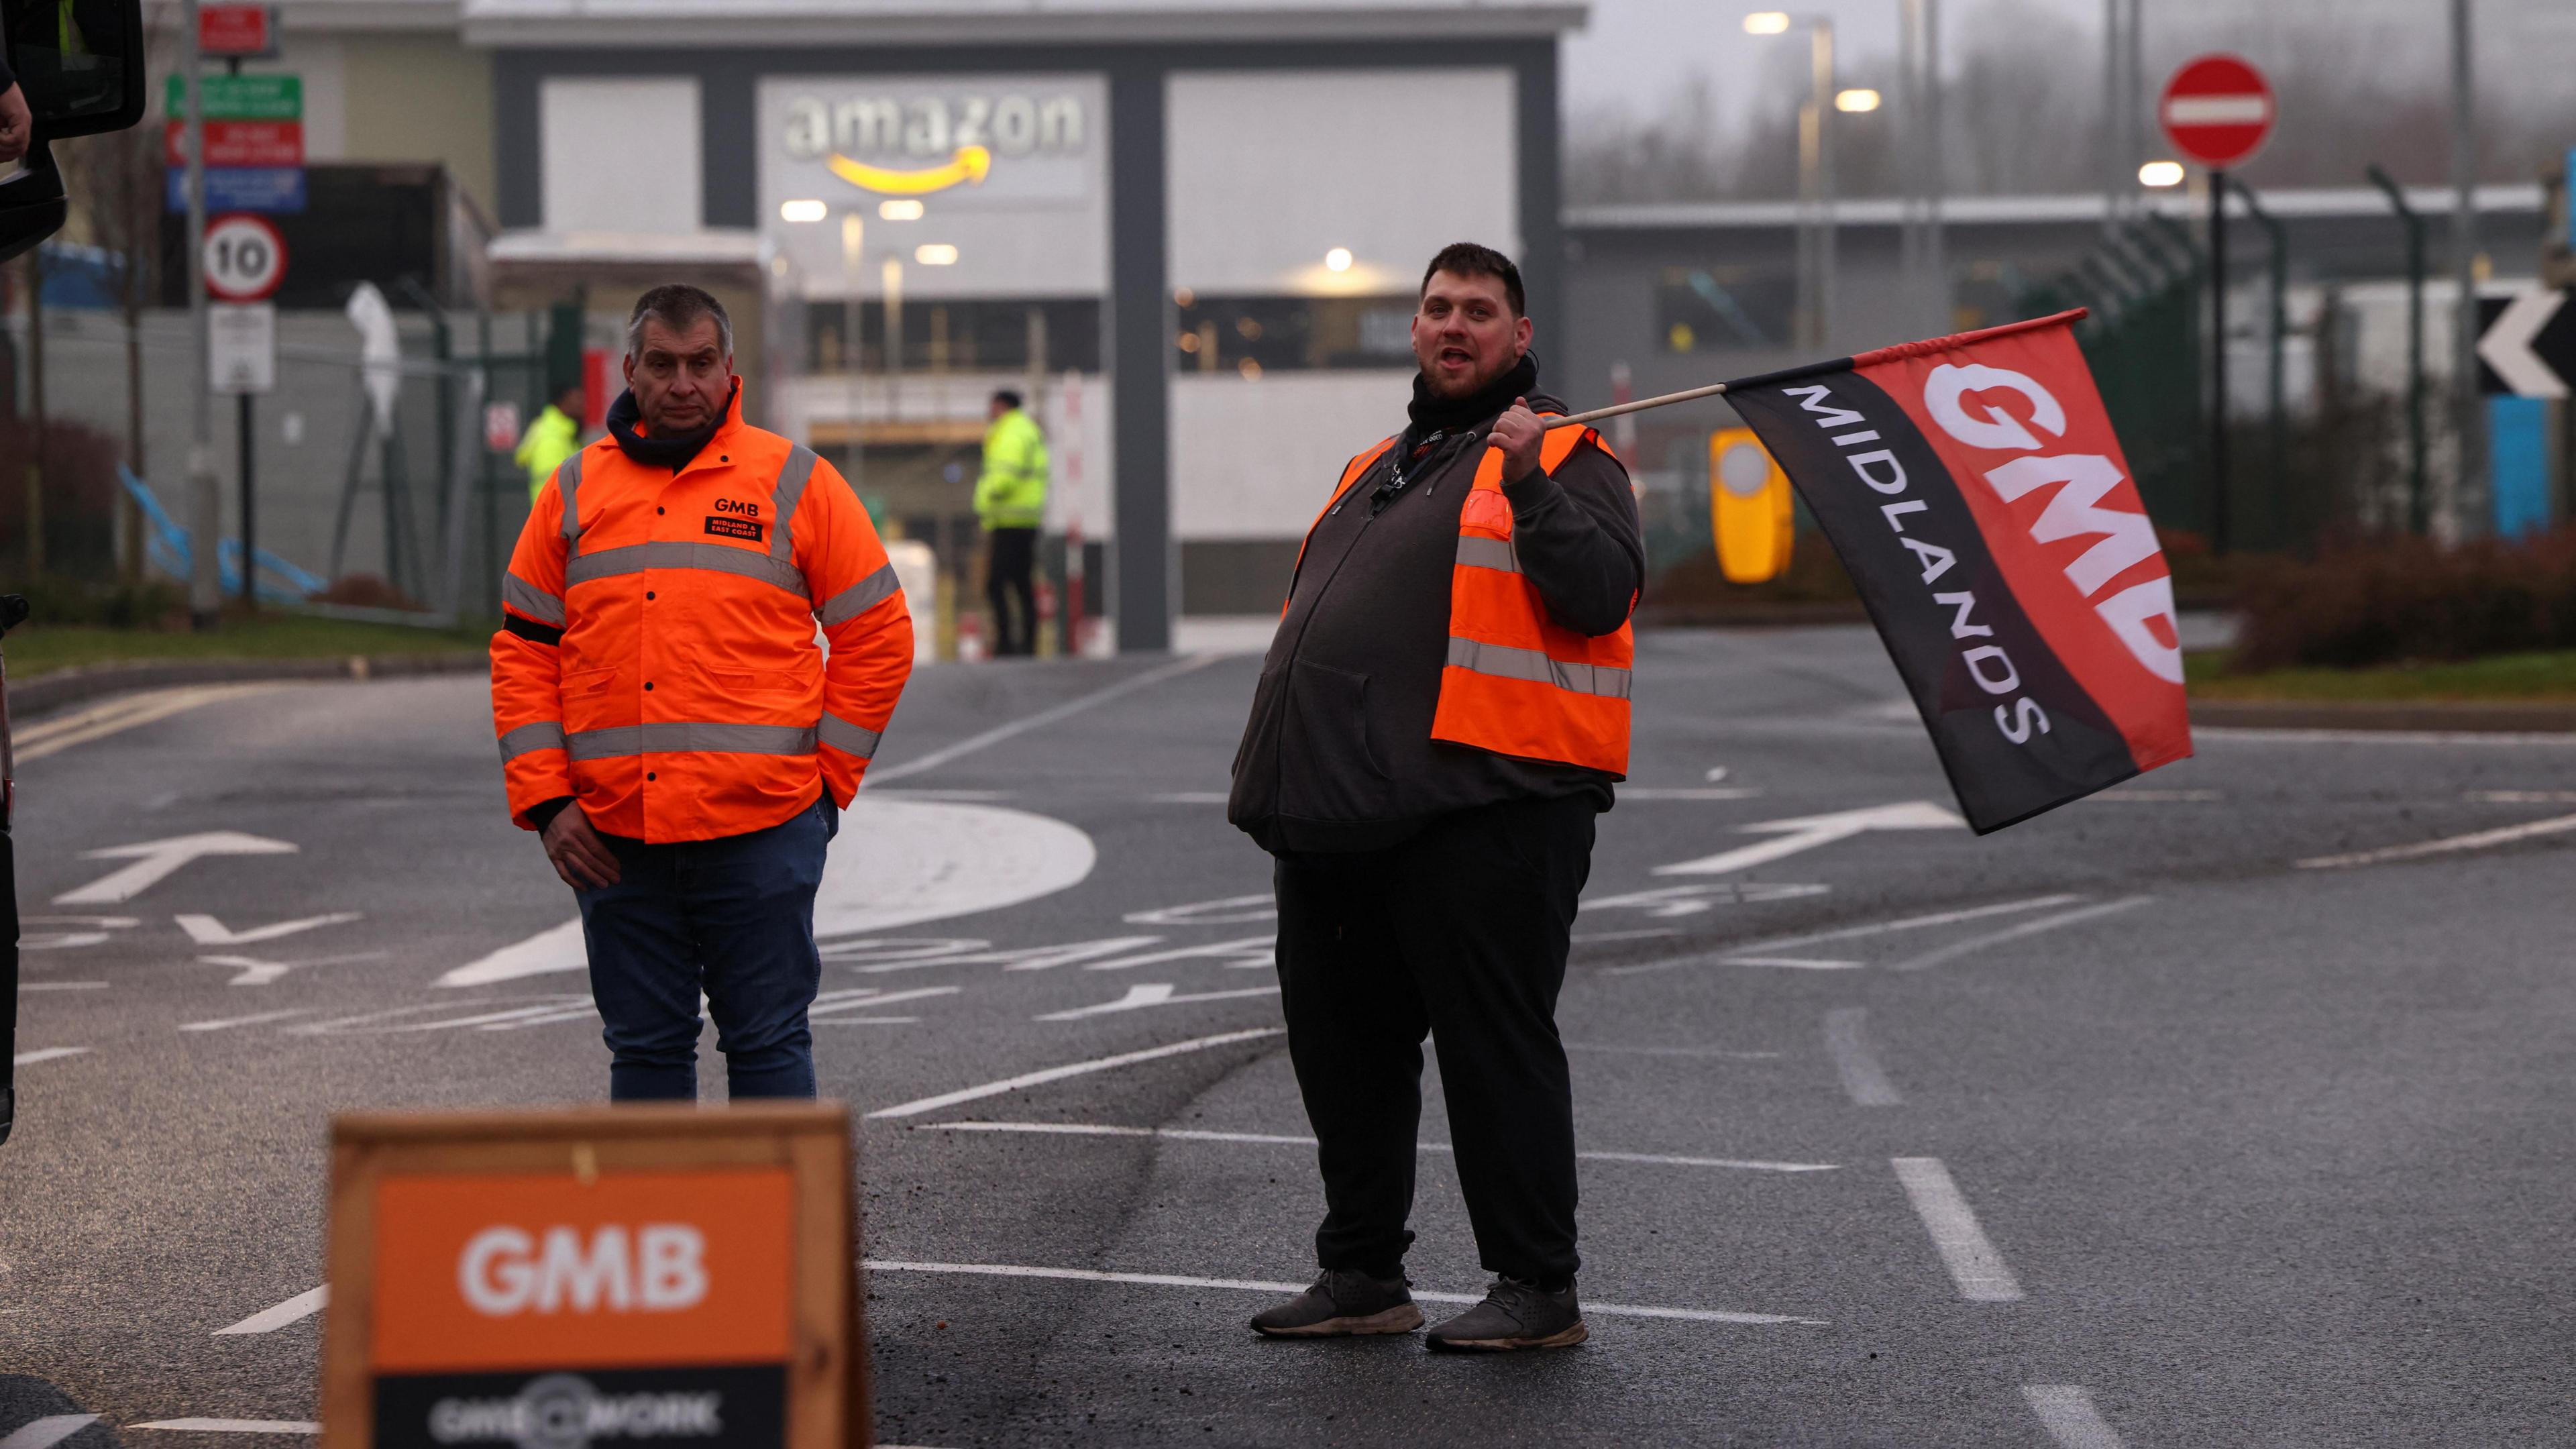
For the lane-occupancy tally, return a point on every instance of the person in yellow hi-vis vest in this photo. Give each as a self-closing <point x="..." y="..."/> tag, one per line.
<point x="1010" y="501"/>
<point x="553" y="437"/>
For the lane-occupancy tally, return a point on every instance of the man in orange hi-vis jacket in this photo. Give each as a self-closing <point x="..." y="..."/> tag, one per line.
<point x="666" y="720"/>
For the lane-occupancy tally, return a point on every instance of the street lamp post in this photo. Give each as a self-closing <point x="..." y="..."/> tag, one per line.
<point x="1816" y="242"/>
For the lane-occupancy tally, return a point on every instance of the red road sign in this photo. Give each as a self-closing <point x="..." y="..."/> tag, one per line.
<point x="240" y="143"/>
<point x="245" y="257"/>
<point x="237" y="30"/>
<point x="2217" y="110"/>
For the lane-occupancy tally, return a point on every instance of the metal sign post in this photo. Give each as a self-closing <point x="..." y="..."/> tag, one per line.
<point x="2218" y="110"/>
<point x="243" y="260"/>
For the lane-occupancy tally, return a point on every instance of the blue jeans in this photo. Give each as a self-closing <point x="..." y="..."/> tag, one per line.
<point x="732" y="917"/>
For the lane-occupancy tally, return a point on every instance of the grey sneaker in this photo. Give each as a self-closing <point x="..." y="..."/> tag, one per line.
<point x="1515" y="1315"/>
<point x="1343" y="1301"/>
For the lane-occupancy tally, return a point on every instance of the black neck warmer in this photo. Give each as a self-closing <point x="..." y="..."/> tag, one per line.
<point x="1447" y="415"/>
<point x="673" y="452"/>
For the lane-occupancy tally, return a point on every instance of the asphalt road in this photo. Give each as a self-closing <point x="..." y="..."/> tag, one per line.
<point x="2119" y="1127"/>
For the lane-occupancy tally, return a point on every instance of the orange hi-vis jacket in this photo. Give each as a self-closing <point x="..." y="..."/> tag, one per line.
<point x="1516" y="682"/>
<point x="658" y="660"/>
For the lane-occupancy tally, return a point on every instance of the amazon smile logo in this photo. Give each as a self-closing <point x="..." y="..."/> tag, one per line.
<point x="918" y="144"/>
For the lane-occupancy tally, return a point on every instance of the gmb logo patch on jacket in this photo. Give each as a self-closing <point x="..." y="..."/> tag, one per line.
<point x="734" y="528"/>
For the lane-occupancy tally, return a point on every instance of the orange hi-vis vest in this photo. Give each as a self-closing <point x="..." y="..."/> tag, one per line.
<point x="1516" y="682"/>
<point x="658" y="657"/>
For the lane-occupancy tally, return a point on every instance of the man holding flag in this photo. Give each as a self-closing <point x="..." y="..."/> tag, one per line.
<point x="1443" y="711"/>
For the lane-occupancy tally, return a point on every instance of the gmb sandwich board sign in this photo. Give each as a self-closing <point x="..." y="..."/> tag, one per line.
<point x="658" y="1276"/>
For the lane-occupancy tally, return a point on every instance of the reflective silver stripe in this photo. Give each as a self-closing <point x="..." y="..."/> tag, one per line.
<point x="860" y="597"/>
<point x="792" y="478"/>
<point x="670" y="737"/>
<point x="529" y="738"/>
<point x="635" y="558"/>
<point x="1477" y="551"/>
<point x="1504" y="662"/>
<point x="568" y="483"/>
<point x="532" y="601"/>
<point x="846" y="737"/>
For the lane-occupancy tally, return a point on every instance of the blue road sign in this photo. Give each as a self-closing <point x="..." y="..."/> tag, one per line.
<point x="274" y="189"/>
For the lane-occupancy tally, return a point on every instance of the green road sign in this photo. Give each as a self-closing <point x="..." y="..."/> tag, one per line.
<point x="243" y="97"/>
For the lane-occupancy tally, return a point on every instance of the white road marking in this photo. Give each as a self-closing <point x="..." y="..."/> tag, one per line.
<point x="156" y="859"/>
<point x="1853" y="933"/>
<point x="116" y="716"/>
<point x="294" y="1310"/>
<point x="1155" y="993"/>
<point x="1192" y="797"/>
<point x="227" y="1023"/>
<point x="234" y="1426"/>
<point x="1224" y="911"/>
<point x="1737" y="792"/>
<point x="1672" y="1051"/>
<point x="1692" y="900"/>
<point x="1864" y="1080"/>
<point x="895" y="863"/>
<point x="208" y="931"/>
<point x="256" y="972"/>
<point x="1244" y="1285"/>
<point x="1649" y="934"/>
<point x="1192" y="1134"/>
<point x="1795" y="963"/>
<point x="1810" y="831"/>
<point x="71" y="940"/>
<point x="1972" y="1260"/>
<point x="2522" y="797"/>
<point x="869" y="998"/>
<point x="2480" y="841"/>
<point x="2154" y="797"/>
<point x="1018" y="958"/>
<point x="888" y="774"/>
<point x="62" y="986"/>
<point x="45" y="1054"/>
<point x="1246" y="952"/>
<point x="1073" y="1069"/>
<point x="47" y="1432"/>
<point x="1957" y="949"/>
<point x="2066" y="1411"/>
<point x="869" y="1021"/>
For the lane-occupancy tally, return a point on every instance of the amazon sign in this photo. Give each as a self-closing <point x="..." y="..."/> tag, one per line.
<point x="1008" y="170"/>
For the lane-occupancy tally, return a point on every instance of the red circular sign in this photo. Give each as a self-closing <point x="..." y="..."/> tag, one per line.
<point x="245" y="258"/>
<point x="2218" y="111"/>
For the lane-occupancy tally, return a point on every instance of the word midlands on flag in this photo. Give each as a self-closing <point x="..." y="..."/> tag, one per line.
<point x="1974" y="490"/>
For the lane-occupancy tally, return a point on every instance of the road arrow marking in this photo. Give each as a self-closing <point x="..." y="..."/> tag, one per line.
<point x="207" y="931"/>
<point x="2507" y="346"/>
<point x="154" y="859"/>
<point x="255" y="972"/>
<point x="1808" y="832"/>
<point x="1155" y="993"/>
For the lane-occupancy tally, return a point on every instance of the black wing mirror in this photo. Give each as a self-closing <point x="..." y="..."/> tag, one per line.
<point x="80" y="63"/>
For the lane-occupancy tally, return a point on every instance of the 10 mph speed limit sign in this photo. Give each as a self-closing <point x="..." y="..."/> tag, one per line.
<point x="244" y="258"/>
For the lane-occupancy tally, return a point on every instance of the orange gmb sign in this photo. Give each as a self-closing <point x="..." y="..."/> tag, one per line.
<point x="556" y="1280"/>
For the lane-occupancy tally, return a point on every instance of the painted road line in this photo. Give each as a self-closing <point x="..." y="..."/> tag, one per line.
<point x="1192" y="1134"/>
<point x="1852" y="933"/>
<point x="883" y="775"/>
<point x="47" y="1432"/>
<point x="2483" y="839"/>
<point x="98" y="722"/>
<point x="1073" y="1069"/>
<point x="154" y="860"/>
<point x="62" y="986"/>
<point x="1864" y="1080"/>
<point x="234" y="1426"/>
<point x="227" y="1023"/>
<point x="2066" y="1411"/>
<point x="1794" y="963"/>
<point x="45" y="1054"/>
<point x="1790" y="837"/>
<point x="2522" y="797"/>
<point x="1245" y="1285"/>
<point x="1972" y="1260"/>
<point x="294" y="1310"/>
<point x="1649" y="933"/>
<point x="1728" y="793"/>
<point x="2155" y="797"/>
<point x="1672" y="1051"/>
<point x="1957" y="949"/>
<point x="1191" y="797"/>
<point x="869" y="998"/>
<point x="1156" y="993"/>
<point x="209" y="931"/>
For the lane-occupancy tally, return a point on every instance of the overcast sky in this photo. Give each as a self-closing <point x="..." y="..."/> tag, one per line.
<point x="1635" y="53"/>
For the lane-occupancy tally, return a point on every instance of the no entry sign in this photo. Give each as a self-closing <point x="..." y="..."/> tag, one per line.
<point x="2218" y="111"/>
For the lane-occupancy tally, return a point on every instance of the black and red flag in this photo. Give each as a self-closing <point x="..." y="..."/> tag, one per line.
<point x="1974" y="491"/>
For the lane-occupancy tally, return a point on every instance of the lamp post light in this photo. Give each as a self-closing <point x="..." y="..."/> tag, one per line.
<point x="1816" y="242"/>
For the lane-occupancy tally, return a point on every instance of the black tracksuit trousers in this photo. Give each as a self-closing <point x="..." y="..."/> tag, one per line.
<point x="1460" y="932"/>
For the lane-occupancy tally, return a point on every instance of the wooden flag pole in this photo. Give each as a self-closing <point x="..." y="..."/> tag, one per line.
<point x="1639" y="406"/>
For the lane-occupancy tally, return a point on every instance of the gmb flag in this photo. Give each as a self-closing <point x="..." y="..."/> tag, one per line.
<point x="1974" y="491"/>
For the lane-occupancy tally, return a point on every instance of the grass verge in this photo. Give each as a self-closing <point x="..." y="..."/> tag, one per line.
<point x="36" y="649"/>
<point x="2540" y="677"/>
